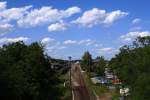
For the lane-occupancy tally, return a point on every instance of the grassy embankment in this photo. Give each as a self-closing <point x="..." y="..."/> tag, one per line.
<point x="98" y="89"/>
<point x="66" y="93"/>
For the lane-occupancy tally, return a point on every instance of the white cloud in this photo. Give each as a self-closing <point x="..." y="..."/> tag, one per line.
<point x="9" y="40"/>
<point x="27" y="17"/>
<point x="114" y="15"/>
<point x="3" y="5"/>
<point x="70" y="11"/>
<point x="85" y="42"/>
<point x="7" y="15"/>
<point x="46" y="15"/>
<point x="105" y="49"/>
<point x="136" y="20"/>
<point x="98" y="16"/>
<point x="91" y="17"/>
<point x="70" y="42"/>
<point x="108" y="52"/>
<point x="52" y="48"/>
<point x="47" y="40"/>
<point x="4" y="28"/>
<point x="132" y="35"/>
<point x="61" y="26"/>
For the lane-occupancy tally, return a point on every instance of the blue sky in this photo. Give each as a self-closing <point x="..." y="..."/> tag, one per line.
<point x="71" y="27"/>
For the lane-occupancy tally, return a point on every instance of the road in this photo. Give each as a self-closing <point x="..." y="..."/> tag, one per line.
<point x="80" y="92"/>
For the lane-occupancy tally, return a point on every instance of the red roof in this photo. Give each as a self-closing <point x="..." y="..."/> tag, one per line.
<point x="116" y="81"/>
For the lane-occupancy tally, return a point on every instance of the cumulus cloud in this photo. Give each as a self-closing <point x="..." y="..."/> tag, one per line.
<point x="46" y="14"/>
<point x="105" y="49"/>
<point x="114" y="15"/>
<point x="52" y="46"/>
<point x="132" y="35"/>
<point x="7" y="15"/>
<point x="3" y="5"/>
<point x="70" y="42"/>
<point x="47" y="40"/>
<point x="27" y="17"/>
<point x="86" y="42"/>
<point x="70" y="11"/>
<point x="9" y="40"/>
<point x="136" y="20"/>
<point x="97" y="16"/>
<point x="91" y="17"/>
<point x="4" y="28"/>
<point x="60" y="26"/>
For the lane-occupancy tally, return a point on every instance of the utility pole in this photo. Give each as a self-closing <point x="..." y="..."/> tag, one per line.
<point x="70" y="74"/>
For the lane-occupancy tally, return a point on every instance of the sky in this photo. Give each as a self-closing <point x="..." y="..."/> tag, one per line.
<point x="71" y="27"/>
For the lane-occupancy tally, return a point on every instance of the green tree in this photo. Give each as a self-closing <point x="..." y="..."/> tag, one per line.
<point x="26" y="73"/>
<point x="86" y="62"/>
<point x="99" y="67"/>
<point x="132" y="66"/>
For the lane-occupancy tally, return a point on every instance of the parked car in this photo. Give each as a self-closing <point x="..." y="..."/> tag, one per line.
<point x="99" y="80"/>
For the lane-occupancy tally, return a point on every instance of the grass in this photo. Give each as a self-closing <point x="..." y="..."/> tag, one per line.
<point x="99" y="89"/>
<point x="115" y="95"/>
<point x="66" y="91"/>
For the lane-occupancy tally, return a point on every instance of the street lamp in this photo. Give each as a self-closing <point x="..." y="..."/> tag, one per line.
<point x="70" y="73"/>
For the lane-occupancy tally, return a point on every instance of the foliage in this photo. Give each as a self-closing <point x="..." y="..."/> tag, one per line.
<point x="132" y="65"/>
<point x="26" y="74"/>
<point x="99" y="67"/>
<point x="86" y="62"/>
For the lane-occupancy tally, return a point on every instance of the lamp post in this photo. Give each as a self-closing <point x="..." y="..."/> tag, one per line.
<point x="70" y="74"/>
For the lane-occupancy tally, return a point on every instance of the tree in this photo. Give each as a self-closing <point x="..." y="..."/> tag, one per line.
<point x="26" y="73"/>
<point x="99" y="68"/>
<point x="132" y="66"/>
<point x="86" y="62"/>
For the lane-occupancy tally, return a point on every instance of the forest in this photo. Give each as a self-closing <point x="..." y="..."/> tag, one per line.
<point x="132" y="65"/>
<point x="26" y="73"/>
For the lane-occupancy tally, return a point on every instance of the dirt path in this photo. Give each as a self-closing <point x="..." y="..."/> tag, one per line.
<point x="80" y="91"/>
